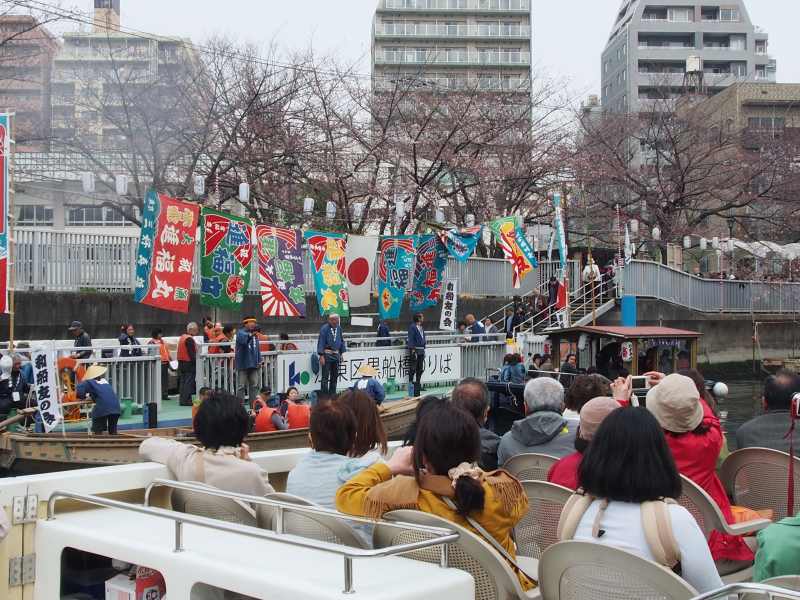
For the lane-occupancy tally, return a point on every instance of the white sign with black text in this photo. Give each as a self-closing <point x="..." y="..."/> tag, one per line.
<point x="447" y="321"/>
<point x="442" y="364"/>
<point x="44" y="378"/>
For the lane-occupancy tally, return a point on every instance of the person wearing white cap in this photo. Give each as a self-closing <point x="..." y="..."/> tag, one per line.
<point x="105" y="414"/>
<point x="369" y="384"/>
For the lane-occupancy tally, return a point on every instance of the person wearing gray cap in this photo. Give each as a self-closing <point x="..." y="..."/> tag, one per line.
<point x="82" y="340"/>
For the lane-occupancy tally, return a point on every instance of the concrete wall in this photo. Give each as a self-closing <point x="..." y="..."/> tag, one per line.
<point x="726" y="338"/>
<point x="46" y="315"/>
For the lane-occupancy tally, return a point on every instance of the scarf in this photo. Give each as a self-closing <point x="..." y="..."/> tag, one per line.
<point x="402" y="492"/>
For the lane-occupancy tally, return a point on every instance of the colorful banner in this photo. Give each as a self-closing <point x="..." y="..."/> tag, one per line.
<point x="326" y="254"/>
<point x="428" y="272"/>
<point x="442" y="363"/>
<point x="447" y="320"/>
<point x="225" y="259"/>
<point x="360" y="256"/>
<point x="516" y="248"/>
<point x="166" y="252"/>
<point x="5" y="157"/>
<point x="395" y="264"/>
<point x="280" y="270"/>
<point x="461" y="243"/>
<point x="44" y="377"/>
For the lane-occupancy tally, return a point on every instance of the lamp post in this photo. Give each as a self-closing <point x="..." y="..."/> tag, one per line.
<point x="731" y="245"/>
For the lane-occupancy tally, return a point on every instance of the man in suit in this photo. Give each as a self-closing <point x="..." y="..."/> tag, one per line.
<point x="416" y="349"/>
<point x="330" y="348"/>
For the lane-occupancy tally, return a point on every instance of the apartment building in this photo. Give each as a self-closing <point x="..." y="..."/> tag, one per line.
<point x="90" y="66"/>
<point x="452" y="45"/>
<point x="645" y="59"/>
<point x="26" y="54"/>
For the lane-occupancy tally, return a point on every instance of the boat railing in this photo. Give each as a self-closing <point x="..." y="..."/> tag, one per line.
<point x="736" y="590"/>
<point x="442" y="537"/>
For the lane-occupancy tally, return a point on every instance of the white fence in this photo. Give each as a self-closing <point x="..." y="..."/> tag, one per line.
<point x="70" y="262"/>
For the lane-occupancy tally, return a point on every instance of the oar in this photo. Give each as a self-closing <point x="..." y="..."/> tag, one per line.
<point x="20" y="416"/>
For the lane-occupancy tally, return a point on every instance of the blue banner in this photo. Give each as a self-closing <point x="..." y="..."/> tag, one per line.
<point x="395" y="265"/>
<point x="461" y="243"/>
<point x="144" y="256"/>
<point x="428" y="272"/>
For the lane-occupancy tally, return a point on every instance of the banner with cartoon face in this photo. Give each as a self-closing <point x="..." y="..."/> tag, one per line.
<point x="225" y="259"/>
<point x="326" y="255"/>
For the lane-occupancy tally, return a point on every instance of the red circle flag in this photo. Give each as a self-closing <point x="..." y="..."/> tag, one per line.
<point x="358" y="271"/>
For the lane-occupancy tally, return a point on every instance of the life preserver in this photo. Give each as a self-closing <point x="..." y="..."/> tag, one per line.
<point x="183" y="351"/>
<point x="263" y="417"/>
<point x="297" y="415"/>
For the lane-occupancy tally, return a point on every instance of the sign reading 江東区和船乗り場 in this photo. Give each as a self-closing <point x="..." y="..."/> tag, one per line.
<point x="442" y="364"/>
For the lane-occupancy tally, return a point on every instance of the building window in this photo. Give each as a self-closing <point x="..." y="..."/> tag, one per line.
<point x="766" y="123"/>
<point x="761" y="46"/>
<point x="680" y="15"/>
<point x="35" y="216"/>
<point x="730" y="15"/>
<point x="95" y="216"/>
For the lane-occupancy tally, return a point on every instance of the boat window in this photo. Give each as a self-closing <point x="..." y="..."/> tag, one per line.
<point x="202" y="591"/>
<point x="87" y="575"/>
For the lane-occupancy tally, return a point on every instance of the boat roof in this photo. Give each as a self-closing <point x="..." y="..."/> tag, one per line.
<point x="627" y="332"/>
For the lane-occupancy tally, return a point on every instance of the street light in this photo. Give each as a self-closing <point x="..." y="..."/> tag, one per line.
<point x="330" y="210"/>
<point x="656" y="234"/>
<point x="470" y="220"/>
<point x="308" y="206"/>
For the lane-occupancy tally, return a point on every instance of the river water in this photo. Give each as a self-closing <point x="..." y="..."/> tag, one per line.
<point x="743" y="403"/>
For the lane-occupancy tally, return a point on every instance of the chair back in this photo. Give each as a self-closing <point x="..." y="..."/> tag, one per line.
<point x="758" y="479"/>
<point x="213" y="507"/>
<point x="530" y="467"/>
<point x="494" y="579"/>
<point x="325" y="528"/>
<point x="591" y="571"/>
<point x="703" y="508"/>
<point x="536" y="532"/>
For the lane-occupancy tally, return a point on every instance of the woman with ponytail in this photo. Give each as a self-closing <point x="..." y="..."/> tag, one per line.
<point x="439" y="475"/>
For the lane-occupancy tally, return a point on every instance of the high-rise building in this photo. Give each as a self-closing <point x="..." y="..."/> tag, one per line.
<point x="25" y="64"/>
<point x="659" y="50"/>
<point x="454" y="45"/>
<point x="93" y="68"/>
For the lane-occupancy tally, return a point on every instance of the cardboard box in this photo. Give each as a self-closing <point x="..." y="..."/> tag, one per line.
<point x="121" y="587"/>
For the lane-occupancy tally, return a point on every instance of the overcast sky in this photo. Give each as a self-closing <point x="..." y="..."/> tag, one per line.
<point x="569" y="35"/>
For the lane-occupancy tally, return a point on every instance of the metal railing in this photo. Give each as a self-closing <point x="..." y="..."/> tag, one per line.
<point x="455" y="5"/>
<point x="443" y="536"/>
<point x="407" y="29"/>
<point x="134" y="377"/>
<point x="62" y="261"/>
<point x="485" y="84"/>
<point x="400" y="57"/>
<point x="751" y="589"/>
<point x="653" y="280"/>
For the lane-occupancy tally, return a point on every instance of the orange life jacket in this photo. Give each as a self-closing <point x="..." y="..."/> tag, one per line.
<point x="217" y="349"/>
<point x="264" y="417"/>
<point x="183" y="351"/>
<point x="162" y="349"/>
<point x="264" y="344"/>
<point x="298" y="415"/>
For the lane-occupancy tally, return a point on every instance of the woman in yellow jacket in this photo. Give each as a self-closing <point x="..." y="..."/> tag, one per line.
<point x="439" y="476"/>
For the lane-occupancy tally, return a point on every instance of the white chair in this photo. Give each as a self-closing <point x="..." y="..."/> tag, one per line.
<point x="213" y="507"/>
<point x="530" y="467"/>
<point x="494" y="577"/>
<point x="787" y="582"/>
<point x="710" y="518"/>
<point x="758" y="479"/>
<point x="590" y="571"/>
<point x="536" y="532"/>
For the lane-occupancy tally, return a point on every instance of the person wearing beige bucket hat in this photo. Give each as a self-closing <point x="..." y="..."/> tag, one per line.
<point x="369" y="383"/>
<point x="106" y="411"/>
<point x="694" y="436"/>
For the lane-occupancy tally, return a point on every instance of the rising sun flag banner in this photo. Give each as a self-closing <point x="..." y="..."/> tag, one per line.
<point x="516" y="249"/>
<point x="428" y="272"/>
<point x="326" y="253"/>
<point x="461" y="243"/>
<point x="5" y="150"/>
<point x="395" y="265"/>
<point x="165" y="258"/>
<point x="280" y="270"/>
<point x="225" y="259"/>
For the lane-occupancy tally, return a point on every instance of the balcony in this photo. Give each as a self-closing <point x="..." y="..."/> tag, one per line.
<point x="457" y="6"/>
<point x="102" y="54"/>
<point x="437" y="30"/>
<point x="452" y="84"/>
<point x="454" y="59"/>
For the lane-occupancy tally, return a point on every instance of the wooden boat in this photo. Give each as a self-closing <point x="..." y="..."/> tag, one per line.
<point x="28" y="453"/>
<point x="773" y="365"/>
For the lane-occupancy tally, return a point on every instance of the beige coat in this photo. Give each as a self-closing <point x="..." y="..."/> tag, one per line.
<point x="222" y="468"/>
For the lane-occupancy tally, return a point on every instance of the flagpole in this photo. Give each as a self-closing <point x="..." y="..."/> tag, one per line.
<point x="10" y="221"/>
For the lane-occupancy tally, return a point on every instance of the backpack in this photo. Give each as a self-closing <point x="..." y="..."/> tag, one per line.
<point x="315" y="363"/>
<point x="656" y="523"/>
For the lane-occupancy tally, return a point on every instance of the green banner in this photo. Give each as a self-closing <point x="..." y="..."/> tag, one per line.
<point x="226" y="257"/>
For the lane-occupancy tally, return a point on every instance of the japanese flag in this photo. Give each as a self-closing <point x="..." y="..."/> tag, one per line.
<point x="360" y="258"/>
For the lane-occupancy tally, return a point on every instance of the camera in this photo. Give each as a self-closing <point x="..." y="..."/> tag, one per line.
<point x="796" y="406"/>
